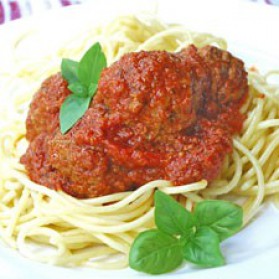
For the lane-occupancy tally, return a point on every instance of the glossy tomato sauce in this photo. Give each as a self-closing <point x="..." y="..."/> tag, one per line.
<point x="156" y="115"/>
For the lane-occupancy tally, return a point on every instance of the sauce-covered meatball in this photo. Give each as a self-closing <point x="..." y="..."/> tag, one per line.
<point x="156" y="115"/>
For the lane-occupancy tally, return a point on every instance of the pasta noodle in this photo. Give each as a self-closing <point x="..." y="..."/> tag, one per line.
<point x="53" y="227"/>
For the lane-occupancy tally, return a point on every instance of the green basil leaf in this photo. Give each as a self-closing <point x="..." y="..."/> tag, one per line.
<point x="79" y="89"/>
<point x="72" y="109"/>
<point x="203" y="248"/>
<point x="92" y="89"/>
<point x="155" y="252"/>
<point x="69" y="70"/>
<point x="224" y="217"/>
<point x="170" y="216"/>
<point x="91" y="65"/>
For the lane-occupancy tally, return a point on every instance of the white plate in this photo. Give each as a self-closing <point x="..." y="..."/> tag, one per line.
<point x="252" y="33"/>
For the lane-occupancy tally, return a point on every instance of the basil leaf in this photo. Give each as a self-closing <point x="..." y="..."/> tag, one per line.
<point x="69" y="70"/>
<point x="91" y="65"/>
<point x="170" y="216"/>
<point x="72" y="109"/>
<point x="92" y="89"/>
<point x="155" y="252"/>
<point x="78" y="89"/>
<point x="203" y="248"/>
<point x="224" y="217"/>
<point x="83" y="80"/>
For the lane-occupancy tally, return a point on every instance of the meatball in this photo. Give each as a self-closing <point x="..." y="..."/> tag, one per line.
<point x="227" y="75"/>
<point x="156" y="115"/>
<point x="43" y="116"/>
<point x="150" y="92"/>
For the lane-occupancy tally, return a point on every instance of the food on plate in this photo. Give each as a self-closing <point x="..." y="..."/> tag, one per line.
<point x="162" y="111"/>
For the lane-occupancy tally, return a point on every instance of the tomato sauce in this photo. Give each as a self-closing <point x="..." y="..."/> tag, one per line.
<point x="156" y="115"/>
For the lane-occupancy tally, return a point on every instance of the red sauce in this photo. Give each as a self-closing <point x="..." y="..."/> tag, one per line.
<point x="156" y="115"/>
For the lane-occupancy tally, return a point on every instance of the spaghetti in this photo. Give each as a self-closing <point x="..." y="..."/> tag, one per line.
<point x="98" y="232"/>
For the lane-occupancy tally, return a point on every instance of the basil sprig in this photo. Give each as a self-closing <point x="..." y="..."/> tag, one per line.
<point x="82" y="80"/>
<point x="181" y="234"/>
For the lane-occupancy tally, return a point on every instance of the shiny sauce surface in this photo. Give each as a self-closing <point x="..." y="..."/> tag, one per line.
<point x="156" y="115"/>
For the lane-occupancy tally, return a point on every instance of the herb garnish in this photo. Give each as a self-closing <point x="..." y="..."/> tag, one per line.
<point x="82" y="80"/>
<point x="181" y="234"/>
